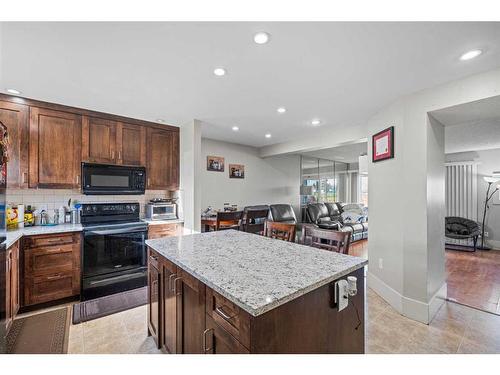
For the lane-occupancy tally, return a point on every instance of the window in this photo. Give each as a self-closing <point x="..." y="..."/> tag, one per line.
<point x="363" y="189"/>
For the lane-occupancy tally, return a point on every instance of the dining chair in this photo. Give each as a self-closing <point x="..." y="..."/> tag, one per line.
<point x="279" y="231"/>
<point x="228" y="220"/>
<point x="325" y="239"/>
<point x="254" y="218"/>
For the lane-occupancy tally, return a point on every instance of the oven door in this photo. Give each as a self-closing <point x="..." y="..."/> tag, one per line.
<point x="114" y="250"/>
<point x="105" y="179"/>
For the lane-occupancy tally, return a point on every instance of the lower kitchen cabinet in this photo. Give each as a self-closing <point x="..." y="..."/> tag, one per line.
<point x="12" y="302"/>
<point x="154" y="298"/>
<point x="164" y="230"/>
<point x="186" y="316"/>
<point x="51" y="267"/>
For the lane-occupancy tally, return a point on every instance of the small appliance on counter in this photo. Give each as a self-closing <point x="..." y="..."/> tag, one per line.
<point x="161" y="209"/>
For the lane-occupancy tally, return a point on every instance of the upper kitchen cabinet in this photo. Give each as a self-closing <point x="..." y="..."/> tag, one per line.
<point x="111" y="142"/>
<point x="131" y="144"/>
<point x="162" y="159"/>
<point x="99" y="140"/>
<point x="54" y="148"/>
<point x="15" y="118"/>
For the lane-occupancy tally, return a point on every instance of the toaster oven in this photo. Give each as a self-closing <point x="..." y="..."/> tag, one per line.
<point x="161" y="211"/>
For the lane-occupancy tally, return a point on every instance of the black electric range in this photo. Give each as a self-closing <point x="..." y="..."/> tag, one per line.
<point x="114" y="249"/>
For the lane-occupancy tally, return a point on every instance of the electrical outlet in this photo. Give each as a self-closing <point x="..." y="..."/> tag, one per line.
<point x="380" y="263"/>
<point x="486" y="234"/>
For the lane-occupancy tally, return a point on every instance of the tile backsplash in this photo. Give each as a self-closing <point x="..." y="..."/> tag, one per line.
<point x="50" y="199"/>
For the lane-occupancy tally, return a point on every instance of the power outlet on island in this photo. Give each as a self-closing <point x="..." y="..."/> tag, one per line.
<point x="380" y="263"/>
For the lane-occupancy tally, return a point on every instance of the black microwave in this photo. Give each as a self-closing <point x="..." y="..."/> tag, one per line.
<point x="102" y="179"/>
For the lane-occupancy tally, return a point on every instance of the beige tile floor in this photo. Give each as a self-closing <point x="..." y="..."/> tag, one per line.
<point x="455" y="329"/>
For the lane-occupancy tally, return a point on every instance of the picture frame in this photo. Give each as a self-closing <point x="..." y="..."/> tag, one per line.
<point x="383" y="145"/>
<point x="215" y="163"/>
<point x="236" y="171"/>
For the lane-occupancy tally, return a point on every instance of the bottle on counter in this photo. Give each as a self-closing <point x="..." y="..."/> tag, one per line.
<point x="29" y="217"/>
<point x="12" y="217"/>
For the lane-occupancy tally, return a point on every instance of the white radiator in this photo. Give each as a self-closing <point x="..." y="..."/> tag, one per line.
<point x="461" y="193"/>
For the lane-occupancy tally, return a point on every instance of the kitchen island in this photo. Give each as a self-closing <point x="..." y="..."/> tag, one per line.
<point x="235" y="292"/>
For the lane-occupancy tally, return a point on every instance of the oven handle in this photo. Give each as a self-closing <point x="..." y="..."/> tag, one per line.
<point x="116" y="231"/>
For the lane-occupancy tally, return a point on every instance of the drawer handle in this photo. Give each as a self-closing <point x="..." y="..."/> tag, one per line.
<point x="222" y="313"/>
<point x="52" y="240"/>
<point x="170" y="287"/>
<point x="204" y="340"/>
<point x="153" y="258"/>
<point x="54" y="277"/>
<point x="177" y="293"/>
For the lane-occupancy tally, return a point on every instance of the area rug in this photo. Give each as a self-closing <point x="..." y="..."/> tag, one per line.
<point x="107" y="305"/>
<point x="45" y="333"/>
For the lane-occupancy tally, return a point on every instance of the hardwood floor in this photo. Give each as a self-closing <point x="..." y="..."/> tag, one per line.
<point x="359" y="249"/>
<point x="474" y="279"/>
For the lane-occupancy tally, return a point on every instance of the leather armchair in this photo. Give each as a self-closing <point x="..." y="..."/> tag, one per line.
<point x="282" y="213"/>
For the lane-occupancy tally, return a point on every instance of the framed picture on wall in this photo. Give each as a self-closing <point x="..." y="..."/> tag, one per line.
<point x="383" y="145"/>
<point x="215" y="163"/>
<point x="236" y="171"/>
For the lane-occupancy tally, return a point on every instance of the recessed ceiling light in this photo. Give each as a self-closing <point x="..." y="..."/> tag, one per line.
<point x="261" y="38"/>
<point x="235" y="128"/>
<point x="315" y="122"/>
<point x="268" y="135"/>
<point x="219" y="71"/>
<point x="471" y="54"/>
<point x="13" y="91"/>
<point x="160" y="120"/>
<point x="281" y="110"/>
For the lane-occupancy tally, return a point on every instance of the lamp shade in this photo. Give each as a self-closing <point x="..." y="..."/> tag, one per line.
<point x="491" y="179"/>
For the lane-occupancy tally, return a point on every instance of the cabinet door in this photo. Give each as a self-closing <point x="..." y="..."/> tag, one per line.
<point x="170" y="338"/>
<point x="131" y="144"/>
<point x="14" y="280"/>
<point x="162" y="159"/>
<point x="216" y="340"/>
<point x="190" y="312"/>
<point x="99" y="140"/>
<point x="154" y="298"/>
<point x="15" y="118"/>
<point x="8" y="308"/>
<point x="55" y="149"/>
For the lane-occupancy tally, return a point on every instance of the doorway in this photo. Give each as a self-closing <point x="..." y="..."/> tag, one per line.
<point x="472" y="182"/>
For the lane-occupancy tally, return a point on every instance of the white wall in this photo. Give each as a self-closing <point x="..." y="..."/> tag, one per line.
<point x="488" y="161"/>
<point x="480" y="135"/>
<point x="190" y="176"/>
<point x="267" y="180"/>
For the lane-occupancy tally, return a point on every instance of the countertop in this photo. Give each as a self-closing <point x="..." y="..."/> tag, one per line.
<point x="16" y="234"/>
<point x="256" y="273"/>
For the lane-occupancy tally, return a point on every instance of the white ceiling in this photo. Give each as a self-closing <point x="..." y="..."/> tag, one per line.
<point x="347" y="153"/>
<point x="472" y="126"/>
<point x="341" y="73"/>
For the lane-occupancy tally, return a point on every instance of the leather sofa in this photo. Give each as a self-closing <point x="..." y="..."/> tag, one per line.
<point x="329" y="216"/>
<point x="318" y="214"/>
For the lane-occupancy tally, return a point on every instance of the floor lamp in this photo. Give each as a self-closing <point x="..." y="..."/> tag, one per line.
<point x="490" y="180"/>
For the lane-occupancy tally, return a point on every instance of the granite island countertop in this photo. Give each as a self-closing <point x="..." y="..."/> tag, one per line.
<point x="256" y="273"/>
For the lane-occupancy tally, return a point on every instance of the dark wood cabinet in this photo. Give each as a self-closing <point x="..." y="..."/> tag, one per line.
<point x="54" y="149"/>
<point x="98" y="140"/>
<point x="112" y="142"/>
<point x="164" y="230"/>
<point x="170" y="340"/>
<point x="12" y="284"/>
<point x="162" y="159"/>
<point x="15" y="118"/>
<point x="216" y="340"/>
<point x="154" y="298"/>
<point x="131" y="144"/>
<point x="51" y="267"/>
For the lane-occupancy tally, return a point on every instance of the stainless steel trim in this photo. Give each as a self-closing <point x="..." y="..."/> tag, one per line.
<point x="116" y="231"/>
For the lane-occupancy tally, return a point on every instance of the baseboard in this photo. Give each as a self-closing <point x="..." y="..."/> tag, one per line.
<point x="494" y="244"/>
<point x="409" y="307"/>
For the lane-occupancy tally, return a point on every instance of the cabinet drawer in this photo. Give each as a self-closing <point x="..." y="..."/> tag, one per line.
<point x="229" y="316"/>
<point x="47" y="260"/>
<point x="217" y="340"/>
<point x="163" y="230"/>
<point x="43" y="241"/>
<point x="51" y="287"/>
